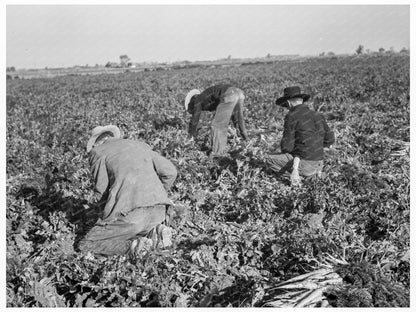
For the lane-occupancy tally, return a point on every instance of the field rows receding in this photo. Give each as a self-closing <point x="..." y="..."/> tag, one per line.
<point x="242" y="230"/>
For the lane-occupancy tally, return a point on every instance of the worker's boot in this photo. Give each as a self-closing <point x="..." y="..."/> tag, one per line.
<point x="163" y="237"/>
<point x="140" y="247"/>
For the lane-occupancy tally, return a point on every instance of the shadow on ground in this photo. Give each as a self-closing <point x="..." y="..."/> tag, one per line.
<point x="46" y="199"/>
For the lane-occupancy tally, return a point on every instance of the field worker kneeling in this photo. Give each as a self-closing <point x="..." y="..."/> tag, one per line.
<point x="305" y="135"/>
<point x="228" y="103"/>
<point x="131" y="182"/>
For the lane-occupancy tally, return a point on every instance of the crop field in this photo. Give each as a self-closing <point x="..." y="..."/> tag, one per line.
<point x="239" y="229"/>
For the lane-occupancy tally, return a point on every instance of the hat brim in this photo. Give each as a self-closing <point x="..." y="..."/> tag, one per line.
<point x="189" y="97"/>
<point x="282" y="101"/>
<point x="100" y="130"/>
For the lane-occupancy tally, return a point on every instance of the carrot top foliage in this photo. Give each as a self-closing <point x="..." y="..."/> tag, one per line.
<point x="242" y="228"/>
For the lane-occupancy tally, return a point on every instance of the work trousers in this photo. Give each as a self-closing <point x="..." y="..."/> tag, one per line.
<point x="231" y="106"/>
<point x="282" y="163"/>
<point x="114" y="237"/>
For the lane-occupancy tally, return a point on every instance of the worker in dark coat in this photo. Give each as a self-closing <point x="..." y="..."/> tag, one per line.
<point x="305" y="135"/>
<point x="131" y="181"/>
<point x="228" y="103"/>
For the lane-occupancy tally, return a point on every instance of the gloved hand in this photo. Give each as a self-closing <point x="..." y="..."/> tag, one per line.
<point x="294" y="177"/>
<point x="231" y="131"/>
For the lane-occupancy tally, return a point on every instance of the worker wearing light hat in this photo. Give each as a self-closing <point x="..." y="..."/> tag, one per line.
<point x="132" y="182"/>
<point x="227" y="102"/>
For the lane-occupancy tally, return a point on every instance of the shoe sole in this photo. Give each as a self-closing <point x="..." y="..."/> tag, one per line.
<point x="165" y="238"/>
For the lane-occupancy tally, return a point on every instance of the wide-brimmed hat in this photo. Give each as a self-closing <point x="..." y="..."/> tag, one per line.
<point x="97" y="131"/>
<point x="189" y="97"/>
<point x="290" y="93"/>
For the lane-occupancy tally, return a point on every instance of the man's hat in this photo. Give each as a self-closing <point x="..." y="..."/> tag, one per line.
<point x="189" y="97"/>
<point x="97" y="131"/>
<point x="290" y="93"/>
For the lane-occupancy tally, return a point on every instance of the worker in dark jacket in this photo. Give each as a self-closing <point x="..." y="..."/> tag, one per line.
<point x="227" y="102"/>
<point x="131" y="181"/>
<point x="305" y="135"/>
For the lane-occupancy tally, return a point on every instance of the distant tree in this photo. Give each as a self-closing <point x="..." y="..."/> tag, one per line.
<point x="229" y="57"/>
<point x="322" y="54"/>
<point x="392" y="50"/>
<point x="404" y="50"/>
<point x="368" y="51"/>
<point x="108" y="64"/>
<point x="10" y="69"/>
<point x="381" y="50"/>
<point x="268" y="55"/>
<point x="124" y="59"/>
<point x="360" y="49"/>
<point x="330" y="53"/>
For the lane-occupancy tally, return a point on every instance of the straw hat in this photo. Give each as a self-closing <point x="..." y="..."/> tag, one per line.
<point x="189" y="97"/>
<point x="97" y="131"/>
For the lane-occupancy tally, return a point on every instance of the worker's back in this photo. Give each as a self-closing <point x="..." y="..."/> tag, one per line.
<point x="131" y="173"/>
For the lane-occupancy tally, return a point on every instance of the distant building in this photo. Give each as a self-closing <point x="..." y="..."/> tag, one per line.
<point x="112" y="65"/>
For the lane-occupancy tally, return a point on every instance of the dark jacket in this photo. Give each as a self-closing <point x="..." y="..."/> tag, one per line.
<point x="128" y="174"/>
<point x="305" y="134"/>
<point x="207" y="100"/>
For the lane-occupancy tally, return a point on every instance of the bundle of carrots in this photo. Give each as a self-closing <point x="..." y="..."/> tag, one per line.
<point x="306" y="290"/>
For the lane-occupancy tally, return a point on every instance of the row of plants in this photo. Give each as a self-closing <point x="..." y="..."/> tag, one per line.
<point x="241" y="229"/>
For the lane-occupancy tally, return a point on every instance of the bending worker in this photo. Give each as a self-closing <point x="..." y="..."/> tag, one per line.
<point x="227" y="102"/>
<point x="131" y="182"/>
<point x="305" y="135"/>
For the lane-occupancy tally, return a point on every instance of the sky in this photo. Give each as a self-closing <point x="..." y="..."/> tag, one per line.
<point x="39" y="36"/>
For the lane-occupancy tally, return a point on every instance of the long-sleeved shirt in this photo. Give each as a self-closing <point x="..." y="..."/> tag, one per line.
<point x="128" y="175"/>
<point x="207" y="100"/>
<point x="305" y="134"/>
